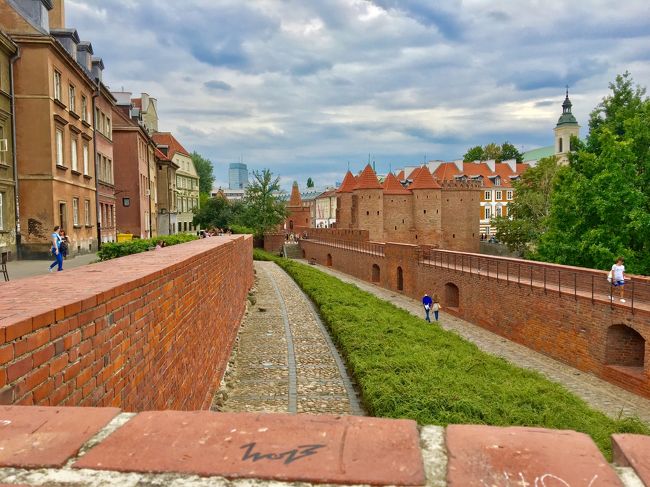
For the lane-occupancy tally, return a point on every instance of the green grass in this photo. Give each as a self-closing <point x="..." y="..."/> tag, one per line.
<point x="407" y="368"/>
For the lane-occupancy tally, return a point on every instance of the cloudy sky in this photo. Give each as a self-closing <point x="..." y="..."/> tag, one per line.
<point x="304" y="87"/>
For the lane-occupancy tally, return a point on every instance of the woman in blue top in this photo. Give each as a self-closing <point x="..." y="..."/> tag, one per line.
<point x="56" y="246"/>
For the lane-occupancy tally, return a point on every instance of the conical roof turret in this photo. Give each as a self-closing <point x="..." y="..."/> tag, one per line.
<point x="393" y="186"/>
<point x="368" y="179"/>
<point x="567" y="117"/>
<point x="422" y="179"/>
<point x="295" y="199"/>
<point x="348" y="184"/>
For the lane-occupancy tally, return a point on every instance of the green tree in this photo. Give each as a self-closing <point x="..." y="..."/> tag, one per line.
<point x="509" y="151"/>
<point x="263" y="208"/>
<point x="310" y="183"/>
<point x="214" y="213"/>
<point x="474" y="154"/>
<point x="204" y="169"/>
<point x="529" y="211"/>
<point x="600" y="206"/>
<point x="491" y="151"/>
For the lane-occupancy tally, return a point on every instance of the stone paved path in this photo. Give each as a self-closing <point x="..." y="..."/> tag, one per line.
<point x="284" y="360"/>
<point x="599" y="394"/>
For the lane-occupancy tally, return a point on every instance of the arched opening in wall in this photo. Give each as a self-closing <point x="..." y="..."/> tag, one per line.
<point x="400" y="279"/>
<point x="375" y="273"/>
<point x="625" y="347"/>
<point x="290" y="224"/>
<point x="329" y="260"/>
<point x="304" y="254"/>
<point x="452" y="295"/>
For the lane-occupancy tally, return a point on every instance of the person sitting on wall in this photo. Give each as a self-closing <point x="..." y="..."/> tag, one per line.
<point x="427" y="302"/>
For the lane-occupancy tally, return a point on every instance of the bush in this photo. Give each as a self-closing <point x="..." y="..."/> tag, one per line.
<point x="241" y="229"/>
<point x="114" y="250"/>
<point x="407" y="368"/>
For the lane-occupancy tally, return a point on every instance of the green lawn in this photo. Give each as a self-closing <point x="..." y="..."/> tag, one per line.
<point x="407" y="368"/>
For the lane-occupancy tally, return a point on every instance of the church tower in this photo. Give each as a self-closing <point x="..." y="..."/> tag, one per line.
<point x="567" y="126"/>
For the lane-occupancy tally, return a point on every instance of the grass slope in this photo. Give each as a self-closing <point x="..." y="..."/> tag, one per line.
<point x="407" y="368"/>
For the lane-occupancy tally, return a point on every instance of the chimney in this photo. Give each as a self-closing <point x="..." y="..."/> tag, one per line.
<point x="97" y="69"/>
<point x="84" y="55"/>
<point x="145" y="101"/>
<point x="123" y="98"/>
<point x="57" y="15"/>
<point x="512" y="163"/>
<point x="491" y="164"/>
<point x="459" y="165"/>
<point x="68" y="38"/>
<point x="434" y="165"/>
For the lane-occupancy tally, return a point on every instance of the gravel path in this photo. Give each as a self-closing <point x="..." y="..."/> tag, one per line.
<point x="599" y="394"/>
<point x="284" y="360"/>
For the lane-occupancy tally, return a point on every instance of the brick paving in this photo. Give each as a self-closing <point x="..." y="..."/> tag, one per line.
<point x="20" y="269"/>
<point x="284" y="360"/>
<point x="599" y="394"/>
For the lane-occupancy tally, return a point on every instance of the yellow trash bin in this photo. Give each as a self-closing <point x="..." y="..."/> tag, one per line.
<point x="124" y="237"/>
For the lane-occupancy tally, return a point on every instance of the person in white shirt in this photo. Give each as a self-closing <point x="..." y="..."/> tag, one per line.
<point x="618" y="277"/>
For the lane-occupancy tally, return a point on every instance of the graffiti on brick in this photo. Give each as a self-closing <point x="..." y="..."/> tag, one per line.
<point x="35" y="228"/>
<point x="545" y="480"/>
<point x="288" y="456"/>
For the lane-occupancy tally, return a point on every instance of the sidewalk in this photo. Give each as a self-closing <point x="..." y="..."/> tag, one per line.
<point x="21" y="269"/>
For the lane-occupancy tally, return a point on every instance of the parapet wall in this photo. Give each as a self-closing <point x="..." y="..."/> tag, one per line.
<point x="146" y="331"/>
<point x="564" y="312"/>
<point x="340" y="233"/>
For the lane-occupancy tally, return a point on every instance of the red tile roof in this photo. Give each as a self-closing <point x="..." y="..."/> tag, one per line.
<point x="348" y="184"/>
<point x="368" y="179"/>
<point x="137" y="102"/>
<point x="161" y="155"/>
<point x="401" y="175"/>
<point x="327" y="194"/>
<point x="423" y="179"/>
<point x="166" y="138"/>
<point x="448" y="171"/>
<point x="393" y="186"/>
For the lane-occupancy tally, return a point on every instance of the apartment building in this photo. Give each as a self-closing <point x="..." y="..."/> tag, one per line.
<point x="8" y="52"/>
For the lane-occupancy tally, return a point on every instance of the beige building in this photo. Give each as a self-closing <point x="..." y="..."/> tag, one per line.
<point x="187" y="186"/>
<point x="145" y="109"/>
<point x="8" y="52"/>
<point x="567" y="127"/>
<point x="167" y="152"/>
<point x="54" y="132"/>
<point x="324" y="210"/>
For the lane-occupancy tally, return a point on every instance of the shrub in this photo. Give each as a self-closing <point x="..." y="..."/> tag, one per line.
<point x="241" y="229"/>
<point x="407" y="368"/>
<point x="114" y="250"/>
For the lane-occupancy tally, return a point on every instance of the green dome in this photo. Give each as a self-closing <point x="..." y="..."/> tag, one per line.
<point x="566" y="119"/>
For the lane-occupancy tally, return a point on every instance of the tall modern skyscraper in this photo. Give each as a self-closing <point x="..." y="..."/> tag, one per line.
<point x="238" y="176"/>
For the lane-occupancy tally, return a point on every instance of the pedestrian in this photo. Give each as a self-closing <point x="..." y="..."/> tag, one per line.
<point x="64" y="246"/>
<point x="436" y="306"/>
<point x="617" y="276"/>
<point x="56" y="244"/>
<point x="427" y="302"/>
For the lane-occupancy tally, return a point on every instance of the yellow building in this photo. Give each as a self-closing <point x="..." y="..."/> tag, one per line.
<point x="7" y="181"/>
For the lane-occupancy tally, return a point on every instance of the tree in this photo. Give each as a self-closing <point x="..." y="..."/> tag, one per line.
<point x="204" y="169"/>
<point x="600" y="207"/>
<point x="263" y="208"/>
<point x="310" y="183"/>
<point x="491" y="151"/>
<point x="529" y="211"/>
<point x="474" y="154"/>
<point x="509" y="151"/>
<point x="217" y="213"/>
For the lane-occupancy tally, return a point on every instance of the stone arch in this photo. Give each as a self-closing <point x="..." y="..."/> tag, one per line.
<point x="452" y="295"/>
<point x="376" y="273"/>
<point x="625" y="347"/>
<point x="329" y="260"/>
<point x="400" y="279"/>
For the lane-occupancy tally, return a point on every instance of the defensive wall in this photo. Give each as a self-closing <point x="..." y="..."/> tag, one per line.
<point x="562" y="311"/>
<point x="147" y="331"/>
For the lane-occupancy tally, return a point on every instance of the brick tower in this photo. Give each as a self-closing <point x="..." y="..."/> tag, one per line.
<point x="344" y="201"/>
<point x="299" y="215"/>
<point x="427" y="212"/>
<point x="368" y="204"/>
<point x="461" y="215"/>
<point x="398" y="219"/>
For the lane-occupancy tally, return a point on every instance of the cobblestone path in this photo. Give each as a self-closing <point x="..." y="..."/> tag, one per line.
<point x="284" y="360"/>
<point x="599" y="394"/>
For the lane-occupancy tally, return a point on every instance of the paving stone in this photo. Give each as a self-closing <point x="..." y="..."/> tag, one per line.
<point x="633" y="451"/>
<point x="32" y="437"/>
<point x="341" y="449"/>
<point x="489" y="455"/>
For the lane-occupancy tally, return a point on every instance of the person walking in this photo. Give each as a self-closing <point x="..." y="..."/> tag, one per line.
<point x="56" y="245"/>
<point x="618" y="277"/>
<point x="427" y="302"/>
<point x="64" y="246"/>
<point x="436" y="306"/>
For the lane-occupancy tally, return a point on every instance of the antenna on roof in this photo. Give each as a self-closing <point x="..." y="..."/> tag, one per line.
<point x="390" y="167"/>
<point x="373" y="166"/>
<point x="348" y="165"/>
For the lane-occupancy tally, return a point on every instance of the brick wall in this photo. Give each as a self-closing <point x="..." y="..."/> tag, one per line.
<point x="369" y="212"/>
<point x="340" y="233"/>
<point x="273" y="242"/>
<point x="147" y="331"/>
<point x="546" y="307"/>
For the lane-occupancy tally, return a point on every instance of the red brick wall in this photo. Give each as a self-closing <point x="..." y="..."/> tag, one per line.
<point x="273" y="242"/>
<point x="147" y="331"/>
<point x="341" y="234"/>
<point x="461" y="215"/>
<point x="398" y="219"/>
<point x="570" y="327"/>
<point x="427" y="217"/>
<point x="370" y="212"/>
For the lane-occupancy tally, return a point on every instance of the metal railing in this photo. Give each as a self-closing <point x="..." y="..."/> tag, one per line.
<point x="564" y="280"/>
<point x="371" y="248"/>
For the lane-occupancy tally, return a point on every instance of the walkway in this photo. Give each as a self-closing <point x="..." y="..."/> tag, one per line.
<point x="20" y="269"/>
<point x="284" y="360"/>
<point x="599" y="394"/>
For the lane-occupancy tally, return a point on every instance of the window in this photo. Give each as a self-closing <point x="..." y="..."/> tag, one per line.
<point x="97" y="112"/>
<point x="85" y="158"/>
<point x="73" y="154"/>
<point x="498" y="195"/>
<point x="509" y="195"/>
<point x="112" y="215"/>
<point x="3" y="146"/>
<point x="59" y="147"/>
<point x="2" y="211"/>
<point x="101" y="212"/>
<point x="108" y="128"/>
<point x="126" y="201"/>
<point x="110" y="171"/>
<point x="488" y="213"/>
<point x="87" y="212"/>
<point x="498" y="211"/>
<point x="57" y="85"/>
<point x="75" y="212"/>
<point x="488" y="195"/>
<point x="84" y="108"/>
<point x="560" y="145"/>
<point x="72" y="99"/>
